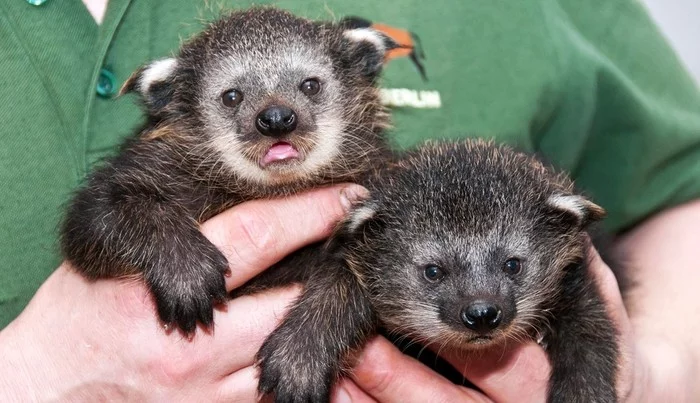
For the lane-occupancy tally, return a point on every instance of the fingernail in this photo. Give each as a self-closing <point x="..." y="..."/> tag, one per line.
<point x="342" y="396"/>
<point x="351" y="194"/>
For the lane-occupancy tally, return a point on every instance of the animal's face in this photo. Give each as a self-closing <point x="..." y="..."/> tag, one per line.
<point x="274" y="115"/>
<point x="467" y="246"/>
<point x="465" y="288"/>
<point x="274" y="98"/>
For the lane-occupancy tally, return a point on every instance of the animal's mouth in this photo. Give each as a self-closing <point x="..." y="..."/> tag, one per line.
<point x="281" y="152"/>
<point x="481" y="340"/>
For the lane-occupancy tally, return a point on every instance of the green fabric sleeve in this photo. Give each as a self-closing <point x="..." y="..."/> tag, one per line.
<point x="592" y="86"/>
<point x="638" y="111"/>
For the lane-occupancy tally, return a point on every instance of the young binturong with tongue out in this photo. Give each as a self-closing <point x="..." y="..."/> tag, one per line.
<point x="261" y="104"/>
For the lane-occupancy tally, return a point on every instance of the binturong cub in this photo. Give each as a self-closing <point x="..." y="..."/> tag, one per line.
<point x="260" y="104"/>
<point x="464" y="246"/>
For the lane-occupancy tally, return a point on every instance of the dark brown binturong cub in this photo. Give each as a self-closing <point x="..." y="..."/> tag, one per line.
<point x="464" y="245"/>
<point x="260" y="104"/>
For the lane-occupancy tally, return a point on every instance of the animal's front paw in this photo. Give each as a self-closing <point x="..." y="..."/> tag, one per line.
<point x="294" y="369"/>
<point x="187" y="290"/>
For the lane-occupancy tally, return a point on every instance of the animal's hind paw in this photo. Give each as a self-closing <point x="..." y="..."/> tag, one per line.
<point x="291" y="371"/>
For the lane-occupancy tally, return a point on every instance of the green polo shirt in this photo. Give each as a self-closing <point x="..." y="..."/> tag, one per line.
<point x="591" y="85"/>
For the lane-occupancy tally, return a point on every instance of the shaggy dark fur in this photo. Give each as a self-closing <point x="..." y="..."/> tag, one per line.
<point x="261" y="104"/>
<point x="462" y="245"/>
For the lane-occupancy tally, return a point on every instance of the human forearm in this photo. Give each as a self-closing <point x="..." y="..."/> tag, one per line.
<point x="16" y="383"/>
<point x="43" y="356"/>
<point x="66" y="347"/>
<point x="663" y="302"/>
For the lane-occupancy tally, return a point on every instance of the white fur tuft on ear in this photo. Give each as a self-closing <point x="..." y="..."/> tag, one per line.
<point x="569" y="203"/>
<point x="583" y="209"/>
<point x="142" y="79"/>
<point x="359" y="216"/>
<point x="159" y="70"/>
<point x="370" y="35"/>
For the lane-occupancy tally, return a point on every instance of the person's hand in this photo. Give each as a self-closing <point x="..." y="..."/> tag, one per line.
<point x="519" y="373"/>
<point x="85" y="341"/>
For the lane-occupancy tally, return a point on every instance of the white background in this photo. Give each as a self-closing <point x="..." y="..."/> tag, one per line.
<point x="680" y="22"/>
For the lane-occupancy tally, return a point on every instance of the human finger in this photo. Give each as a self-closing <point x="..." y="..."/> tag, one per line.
<point x="609" y="289"/>
<point x="614" y="303"/>
<point x="241" y="326"/>
<point x="390" y="376"/>
<point x="256" y="234"/>
<point x="515" y="373"/>
<point x="347" y="391"/>
<point x="241" y="386"/>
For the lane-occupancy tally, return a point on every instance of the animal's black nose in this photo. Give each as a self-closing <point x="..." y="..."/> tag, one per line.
<point x="276" y="121"/>
<point x="481" y="316"/>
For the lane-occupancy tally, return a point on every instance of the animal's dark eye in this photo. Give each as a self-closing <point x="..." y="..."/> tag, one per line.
<point x="512" y="266"/>
<point x="433" y="273"/>
<point x="310" y="86"/>
<point x="232" y="98"/>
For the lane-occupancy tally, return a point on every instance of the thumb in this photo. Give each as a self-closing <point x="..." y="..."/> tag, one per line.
<point x="512" y="373"/>
<point x="257" y="234"/>
<point x="389" y="376"/>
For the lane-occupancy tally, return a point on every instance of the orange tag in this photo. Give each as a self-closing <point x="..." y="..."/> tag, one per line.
<point x="401" y="37"/>
<point x="408" y="42"/>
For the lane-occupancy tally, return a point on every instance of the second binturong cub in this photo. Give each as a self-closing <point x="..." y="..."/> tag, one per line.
<point x="462" y="246"/>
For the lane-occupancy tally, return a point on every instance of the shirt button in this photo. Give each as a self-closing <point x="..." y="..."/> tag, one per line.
<point x="36" y="2"/>
<point x="106" y="84"/>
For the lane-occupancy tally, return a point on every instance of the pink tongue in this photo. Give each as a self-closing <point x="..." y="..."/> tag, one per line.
<point x="279" y="152"/>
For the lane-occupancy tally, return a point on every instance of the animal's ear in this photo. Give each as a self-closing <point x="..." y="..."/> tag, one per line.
<point x="153" y="82"/>
<point x="364" y="216"/>
<point x="575" y="209"/>
<point x="360" y="217"/>
<point x="367" y="49"/>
